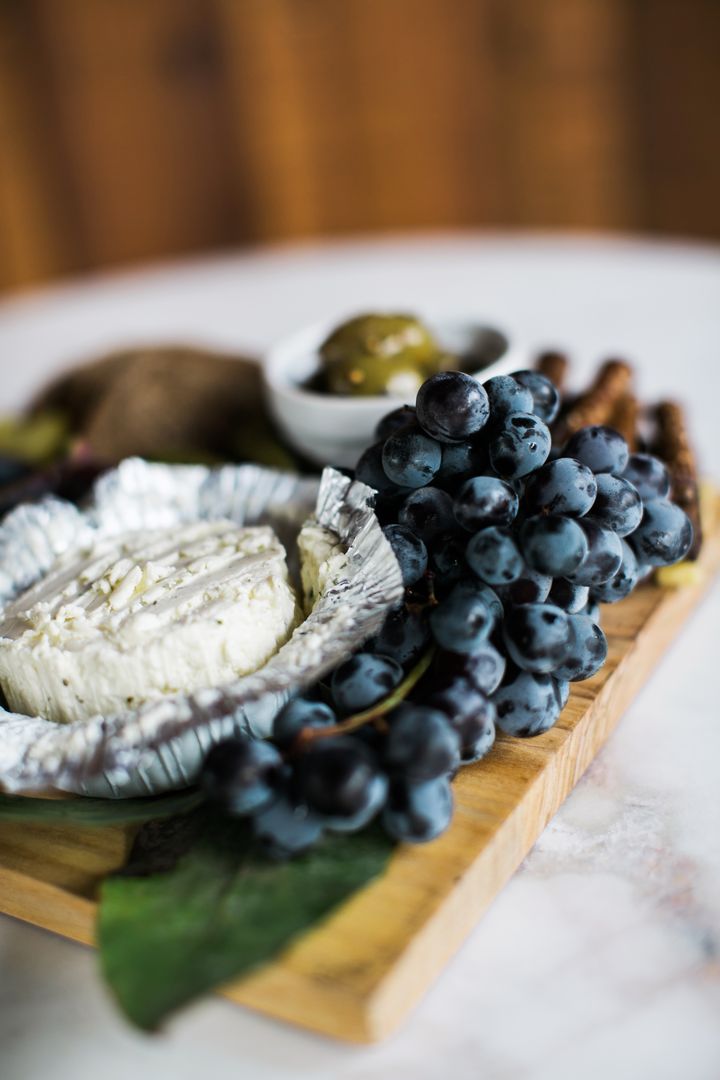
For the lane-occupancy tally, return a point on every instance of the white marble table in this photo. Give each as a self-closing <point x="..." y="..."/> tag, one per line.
<point x="601" y="958"/>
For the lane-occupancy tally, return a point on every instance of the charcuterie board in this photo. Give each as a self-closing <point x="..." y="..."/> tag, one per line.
<point x="356" y="975"/>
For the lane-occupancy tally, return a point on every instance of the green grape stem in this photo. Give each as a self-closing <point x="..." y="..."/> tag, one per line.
<point x="376" y="712"/>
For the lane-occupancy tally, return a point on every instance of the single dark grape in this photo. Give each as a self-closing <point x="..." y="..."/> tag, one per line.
<point x="546" y="399"/>
<point x="460" y="461"/>
<point x="452" y="406"/>
<point x="553" y="544"/>
<point x="484" y="669"/>
<point x="336" y="776"/>
<point x="404" y="637"/>
<point x="242" y="774"/>
<point x="601" y="448"/>
<point x="520" y="446"/>
<point x="462" y="622"/>
<point x="569" y="597"/>
<point x="447" y="558"/>
<point x="604" y="556"/>
<point x="586" y="651"/>
<point x="470" y="713"/>
<point x="494" y="556"/>
<point x="287" y="827"/>
<point x="363" y="680"/>
<point x="477" y="738"/>
<point x="374" y="802"/>
<point x="665" y="534"/>
<point x="410" y="553"/>
<point x="563" y="486"/>
<point x="485" y="500"/>
<point x="427" y="512"/>
<point x="300" y="713"/>
<point x="618" y="505"/>
<point x="648" y="475"/>
<point x="489" y="596"/>
<point x="531" y="587"/>
<point x="395" y="421"/>
<point x="369" y="470"/>
<point x="623" y="582"/>
<point x="416" y="813"/>
<point x="528" y="704"/>
<point x="410" y="458"/>
<point x="507" y="396"/>
<point x="421" y="744"/>
<point x="537" y="636"/>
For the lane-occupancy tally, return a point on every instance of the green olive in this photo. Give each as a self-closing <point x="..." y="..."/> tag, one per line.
<point x="380" y="354"/>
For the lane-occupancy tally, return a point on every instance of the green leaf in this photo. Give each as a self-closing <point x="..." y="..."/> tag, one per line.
<point x="198" y="905"/>
<point x="96" y="812"/>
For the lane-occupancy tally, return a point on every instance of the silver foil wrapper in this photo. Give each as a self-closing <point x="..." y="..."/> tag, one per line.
<point x="160" y="746"/>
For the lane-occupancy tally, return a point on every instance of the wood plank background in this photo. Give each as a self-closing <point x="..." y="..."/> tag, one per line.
<point x="135" y="129"/>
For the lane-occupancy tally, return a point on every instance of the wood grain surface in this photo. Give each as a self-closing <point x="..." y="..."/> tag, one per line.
<point x="133" y="130"/>
<point x="357" y="974"/>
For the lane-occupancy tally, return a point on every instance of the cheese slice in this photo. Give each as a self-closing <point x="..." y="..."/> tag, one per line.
<point x="143" y="615"/>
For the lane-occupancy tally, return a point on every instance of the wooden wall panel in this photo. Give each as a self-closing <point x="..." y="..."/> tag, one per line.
<point x="362" y="115"/>
<point x="567" y="141"/>
<point x="134" y="129"/>
<point x="675" y="66"/>
<point x="137" y="100"/>
<point x="35" y="241"/>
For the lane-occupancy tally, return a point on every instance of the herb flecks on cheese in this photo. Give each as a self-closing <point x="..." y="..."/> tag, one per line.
<point x="146" y="614"/>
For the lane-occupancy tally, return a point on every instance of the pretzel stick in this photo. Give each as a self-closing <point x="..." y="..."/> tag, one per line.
<point x="596" y="405"/>
<point x="673" y="446"/>
<point x="624" y="418"/>
<point x="554" y="366"/>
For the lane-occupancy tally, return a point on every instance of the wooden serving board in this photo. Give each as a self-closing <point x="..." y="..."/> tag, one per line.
<point x="357" y="974"/>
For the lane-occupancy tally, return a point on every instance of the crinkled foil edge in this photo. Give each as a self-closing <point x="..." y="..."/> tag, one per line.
<point x="160" y="746"/>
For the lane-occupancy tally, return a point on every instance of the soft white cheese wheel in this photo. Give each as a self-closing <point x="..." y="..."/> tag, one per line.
<point x="143" y="615"/>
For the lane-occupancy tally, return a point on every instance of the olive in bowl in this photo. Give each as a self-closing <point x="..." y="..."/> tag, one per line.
<point x="329" y="384"/>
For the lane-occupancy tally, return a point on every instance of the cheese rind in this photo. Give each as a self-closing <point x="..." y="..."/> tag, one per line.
<point x="143" y="615"/>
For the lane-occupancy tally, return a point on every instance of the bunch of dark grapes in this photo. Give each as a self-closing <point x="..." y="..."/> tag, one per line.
<point x="507" y="546"/>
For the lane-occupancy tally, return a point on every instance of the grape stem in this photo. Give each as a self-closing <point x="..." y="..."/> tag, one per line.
<point x="375" y="712"/>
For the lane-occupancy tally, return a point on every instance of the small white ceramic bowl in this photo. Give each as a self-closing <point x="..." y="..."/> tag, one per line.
<point x="330" y="429"/>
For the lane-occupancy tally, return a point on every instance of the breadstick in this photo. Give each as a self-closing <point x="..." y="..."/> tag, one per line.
<point x="554" y="366"/>
<point x="624" y="418"/>
<point x="673" y="446"/>
<point x="596" y="405"/>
